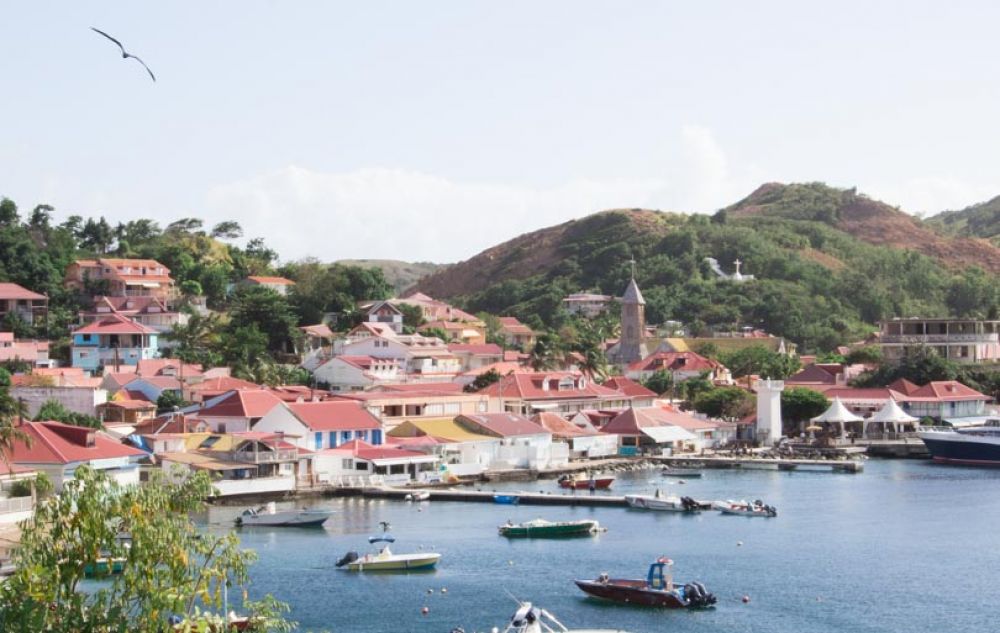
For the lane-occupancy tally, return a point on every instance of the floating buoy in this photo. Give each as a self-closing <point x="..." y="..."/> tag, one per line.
<point x="430" y="591"/>
<point x="739" y="543"/>
<point x="746" y="599"/>
<point x="444" y="590"/>
<point x="420" y="509"/>
<point x="510" y="562"/>
<point x="425" y="611"/>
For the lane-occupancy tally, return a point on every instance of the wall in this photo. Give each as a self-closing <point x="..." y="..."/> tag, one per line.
<point x="77" y="399"/>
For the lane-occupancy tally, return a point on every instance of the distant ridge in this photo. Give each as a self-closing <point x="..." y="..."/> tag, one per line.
<point x="400" y="274"/>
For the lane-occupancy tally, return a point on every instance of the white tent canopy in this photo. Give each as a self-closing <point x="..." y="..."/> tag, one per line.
<point x="892" y="414"/>
<point x="838" y="414"/>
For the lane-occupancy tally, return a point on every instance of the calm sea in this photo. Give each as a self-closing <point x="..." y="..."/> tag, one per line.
<point x="906" y="546"/>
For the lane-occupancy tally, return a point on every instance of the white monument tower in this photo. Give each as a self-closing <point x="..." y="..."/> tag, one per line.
<point x="769" y="411"/>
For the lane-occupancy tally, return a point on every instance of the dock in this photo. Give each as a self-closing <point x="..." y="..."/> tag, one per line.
<point x="583" y="499"/>
<point x="766" y="463"/>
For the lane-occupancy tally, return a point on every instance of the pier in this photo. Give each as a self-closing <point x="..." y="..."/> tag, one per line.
<point x="483" y="496"/>
<point x="766" y="463"/>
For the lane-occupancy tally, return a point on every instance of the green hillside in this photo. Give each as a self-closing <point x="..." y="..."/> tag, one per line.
<point x="829" y="264"/>
<point x="979" y="220"/>
<point x="401" y="275"/>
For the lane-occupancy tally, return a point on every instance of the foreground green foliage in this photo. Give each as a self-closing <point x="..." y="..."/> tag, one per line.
<point x="171" y="568"/>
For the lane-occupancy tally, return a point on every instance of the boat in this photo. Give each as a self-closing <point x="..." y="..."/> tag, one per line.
<point x="669" y="503"/>
<point x="657" y="589"/>
<point x="510" y="500"/>
<point x="385" y="560"/>
<point x="540" y="528"/>
<point x="531" y="619"/>
<point x="419" y="495"/>
<point x="746" y="508"/>
<point x="689" y="473"/>
<point x="104" y="566"/>
<point x="268" y="515"/>
<point x="970" y="446"/>
<point x="586" y="482"/>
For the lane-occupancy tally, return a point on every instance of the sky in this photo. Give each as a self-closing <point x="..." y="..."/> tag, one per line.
<point x="432" y="130"/>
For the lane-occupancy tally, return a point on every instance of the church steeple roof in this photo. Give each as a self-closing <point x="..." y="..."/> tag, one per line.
<point x="632" y="294"/>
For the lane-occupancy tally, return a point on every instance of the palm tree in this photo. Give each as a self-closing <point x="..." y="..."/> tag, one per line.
<point x="545" y="354"/>
<point x="199" y="334"/>
<point x="10" y="433"/>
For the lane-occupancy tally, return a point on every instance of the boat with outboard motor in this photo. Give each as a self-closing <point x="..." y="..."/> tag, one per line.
<point x="582" y="481"/>
<point x="657" y="589"/>
<point x="687" y="473"/>
<point x="756" y="508"/>
<point x="969" y="446"/>
<point x="540" y="528"/>
<point x="385" y="560"/>
<point x="508" y="500"/>
<point x="667" y="503"/>
<point x="419" y="495"/>
<point x="269" y="515"/>
<point x="531" y="619"/>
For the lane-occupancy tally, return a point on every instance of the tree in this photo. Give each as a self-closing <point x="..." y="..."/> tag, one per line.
<point x="731" y="403"/>
<point x="799" y="404"/>
<point x="172" y="567"/>
<point x="866" y="354"/>
<point x="545" y="354"/>
<point x="191" y="288"/>
<point x="758" y="360"/>
<point x="267" y="311"/>
<point x="198" y="340"/>
<point x="8" y="213"/>
<point x="54" y="410"/>
<point x="228" y="230"/>
<point x="661" y="381"/>
<point x="437" y="333"/>
<point x="689" y="389"/>
<point x="921" y="366"/>
<point x="169" y="400"/>
<point x="483" y="381"/>
<point x="413" y="316"/>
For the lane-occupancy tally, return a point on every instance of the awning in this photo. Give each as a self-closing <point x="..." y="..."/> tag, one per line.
<point x="664" y="434"/>
<point x="959" y="423"/>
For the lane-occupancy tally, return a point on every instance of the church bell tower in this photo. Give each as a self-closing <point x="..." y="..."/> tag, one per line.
<point x="631" y="347"/>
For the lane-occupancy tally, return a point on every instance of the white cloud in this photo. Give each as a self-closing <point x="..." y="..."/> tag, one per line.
<point x="927" y="196"/>
<point x="400" y="214"/>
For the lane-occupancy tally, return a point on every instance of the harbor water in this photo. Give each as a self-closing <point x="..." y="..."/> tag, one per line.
<point x="905" y="546"/>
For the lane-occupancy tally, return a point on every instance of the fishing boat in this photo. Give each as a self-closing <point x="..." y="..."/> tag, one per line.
<point x="668" y="503"/>
<point x="657" y="589"/>
<point x="531" y="619"/>
<point x="509" y="500"/>
<point x="385" y="560"/>
<point x="268" y="515"/>
<point x="687" y="473"/>
<point x="581" y="481"/>
<point x="755" y="508"/>
<point x="419" y="495"/>
<point x="540" y="528"/>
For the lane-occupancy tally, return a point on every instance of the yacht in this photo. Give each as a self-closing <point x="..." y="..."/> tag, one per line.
<point x="971" y="446"/>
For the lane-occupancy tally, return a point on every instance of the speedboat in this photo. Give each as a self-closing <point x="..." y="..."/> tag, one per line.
<point x="755" y="508"/>
<point x="531" y="619"/>
<point x="385" y="560"/>
<point x="689" y="473"/>
<point x="657" y="589"/>
<point x="586" y="482"/>
<point x="269" y="515"/>
<point x="540" y="528"/>
<point x="510" y="500"/>
<point x="419" y="495"/>
<point x="669" y="503"/>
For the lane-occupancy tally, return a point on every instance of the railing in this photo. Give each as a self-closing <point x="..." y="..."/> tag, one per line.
<point x="918" y="339"/>
<point x="266" y="457"/>
<point x="15" y="504"/>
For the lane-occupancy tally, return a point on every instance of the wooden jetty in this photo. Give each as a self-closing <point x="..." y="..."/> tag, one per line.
<point x="766" y="463"/>
<point x="486" y="496"/>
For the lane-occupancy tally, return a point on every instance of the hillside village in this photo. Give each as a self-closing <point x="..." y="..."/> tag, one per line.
<point x="154" y="373"/>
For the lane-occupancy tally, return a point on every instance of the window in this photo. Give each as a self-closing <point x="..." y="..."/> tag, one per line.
<point x="347" y="464"/>
<point x="363" y="436"/>
<point x="318" y="440"/>
<point x="376" y="437"/>
<point x="333" y="439"/>
<point x="209" y="442"/>
<point x="345" y="436"/>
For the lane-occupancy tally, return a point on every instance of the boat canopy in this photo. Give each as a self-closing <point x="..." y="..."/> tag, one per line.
<point x="382" y="538"/>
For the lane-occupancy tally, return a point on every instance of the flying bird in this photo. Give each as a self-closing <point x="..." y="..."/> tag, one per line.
<point x="126" y="54"/>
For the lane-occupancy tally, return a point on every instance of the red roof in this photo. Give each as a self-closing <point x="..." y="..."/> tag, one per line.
<point x="902" y="385"/>
<point x="368" y="452"/>
<point x="675" y="361"/>
<point x="486" y="349"/>
<point x="321" y="330"/>
<point x="437" y="387"/>
<point x="502" y="424"/>
<point x="629" y="387"/>
<point x="947" y="390"/>
<point x="512" y="325"/>
<point x="334" y="415"/>
<point x="631" y="421"/>
<point x="816" y="374"/>
<point x="529" y="386"/>
<point x="158" y="366"/>
<point x="114" y="324"/>
<point x="243" y="404"/>
<point x="14" y="291"/>
<point x="223" y="384"/>
<point x="58" y="443"/>
<point x="559" y="426"/>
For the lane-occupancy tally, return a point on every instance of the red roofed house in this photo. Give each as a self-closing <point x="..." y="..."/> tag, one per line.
<point x="59" y="449"/>
<point x="151" y="311"/>
<point x="457" y="331"/>
<point x="277" y="284"/>
<point x="584" y="443"/>
<point x="629" y="387"/>
<point x="651" y="430"/>
<point x="27" y="305"/>
<point x="476" y="356"/>
<point x="561" y="392"/>
<point x="35" y="353"/>
<point x="358" y="459"/>
<point x="516" y="334"/>
<point x="214" y="387"/>
<point x="385" y="312"/>
<point x="356" y="373"/>
<point x="120" y="277"/>
<point x="680" y="365"/>
<point x="433" y="309"/>
<point x="113" y="340"/>
<point x="238" y="411"/>
<point x="524" y="444"/>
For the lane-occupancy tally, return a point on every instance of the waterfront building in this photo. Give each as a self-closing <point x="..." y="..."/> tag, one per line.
<point x="378" y="464"/>
<point x="461" y="452"/>
<point x="585" y="442"/>
<point x="649" y="430"/>
<point x="523" y="443"/>
<point x="322" y="425"/>
<point x="240" y="463"/>
<point x="768" y="427"/>
<point x="565" y="393"/>
<point x="30" y="307"/>
<point x="393" y="404"/>
<point x="58" y="449"/>
<point x="964" y="341"/>
<point x="114" y="277"/>
<point x="587" y="304"/>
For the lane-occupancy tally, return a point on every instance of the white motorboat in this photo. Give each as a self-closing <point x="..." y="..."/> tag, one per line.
<point x="746" y="508"/>
<point x="419" y="495"/>
<point x="269" y="515"/>
<point x="531" y="619"/>
<point x="385" y="560"/>
<point x="668" y="503"/>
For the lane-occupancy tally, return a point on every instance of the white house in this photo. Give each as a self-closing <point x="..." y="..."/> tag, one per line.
<point x="584" y="441"/>
<point x="523" y="444"/>
<point x="356" y="373"/>
<point x="237" y="411"/>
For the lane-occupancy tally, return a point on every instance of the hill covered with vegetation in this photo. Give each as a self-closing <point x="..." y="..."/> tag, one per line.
<point x="829" y="264"/>
<point x="399" y="274"/>
<point x="979" y="220"/>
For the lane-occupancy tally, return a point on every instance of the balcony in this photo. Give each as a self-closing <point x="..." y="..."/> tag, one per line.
<point x="267" y="457"/>
<point x="939" y="339"/>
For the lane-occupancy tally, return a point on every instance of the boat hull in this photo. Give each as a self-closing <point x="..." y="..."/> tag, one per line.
<point x="557" y="530"/>
<point x="404" y="562"/>
<point x="631" y="592"/>
<point x="646" y="502"/>
<point x="506" y="499"/>
<point x="310" y="518"/>
<point x="962" y="448"/>
<point x="600" y="483"/>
